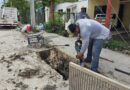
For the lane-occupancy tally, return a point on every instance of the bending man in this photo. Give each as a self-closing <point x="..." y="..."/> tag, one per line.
<point x="93" y="35"/>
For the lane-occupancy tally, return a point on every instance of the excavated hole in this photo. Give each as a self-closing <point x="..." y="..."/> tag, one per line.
<point x="58" y="61"/>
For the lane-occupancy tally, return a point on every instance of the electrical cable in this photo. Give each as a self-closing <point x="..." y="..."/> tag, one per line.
<point x="120" y="21"/>
<point x="114" y="27"/>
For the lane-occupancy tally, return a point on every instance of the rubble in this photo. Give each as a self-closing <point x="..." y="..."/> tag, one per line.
<point x="21" y="68"/>
<point x="58" y="61"/>
<point x="50" y="87"/>
<point x="28" y="73"/>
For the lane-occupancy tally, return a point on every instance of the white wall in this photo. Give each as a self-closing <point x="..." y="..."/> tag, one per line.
<point x="74" y="7"/>
<point x="79" y="5"/>
<point x="62" y="6"/>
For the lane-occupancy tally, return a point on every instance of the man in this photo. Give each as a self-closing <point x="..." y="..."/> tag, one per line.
<point x="93" y="35"/>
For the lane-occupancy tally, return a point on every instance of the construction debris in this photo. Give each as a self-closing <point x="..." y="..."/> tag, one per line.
<point x="23" y="69"/>
<point x="28" y="72"/>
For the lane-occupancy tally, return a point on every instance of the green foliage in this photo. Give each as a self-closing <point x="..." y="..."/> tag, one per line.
<point x="22" y="6"/>
<point x="34" y="30"/>
<point x="45" y="2"/>
<point x="57" y="26"/>
<point x="61" y="1"/>
<point x="115" y="45"/>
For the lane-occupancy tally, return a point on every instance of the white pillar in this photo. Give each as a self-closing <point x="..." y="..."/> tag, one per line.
<point x="47" y="10"/>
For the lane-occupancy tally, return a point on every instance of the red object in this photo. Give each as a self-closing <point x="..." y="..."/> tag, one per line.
<point x="28" y="29"/>
<point x="108" y="13"/>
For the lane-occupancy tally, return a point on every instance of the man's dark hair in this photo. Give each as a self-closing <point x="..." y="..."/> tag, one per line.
<point x="72" y="27"/>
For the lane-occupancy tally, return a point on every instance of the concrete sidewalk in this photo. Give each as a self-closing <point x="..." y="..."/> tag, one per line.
<point x="111" y="62"/>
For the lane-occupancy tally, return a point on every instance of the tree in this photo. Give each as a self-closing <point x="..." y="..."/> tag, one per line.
<point x="51" y="4"/>
<point x="22" y="6"/>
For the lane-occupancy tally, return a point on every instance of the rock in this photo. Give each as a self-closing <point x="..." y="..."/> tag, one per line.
<point x="3" y="58"/>
<point x="20" y="70"/>
<point x="11" y="56"/>
<point x="13" y="82"/>
<point x="50" y="87"/>
<point x="36" y="88"/>
<point x="8" y="66"/>
<point x="28" y="73"/>
<point x="9" y="70"/>
<point x="16" y="56"/>
<point x="14" y="89"/>
<point x="24" y="86"/>
<point x="22" y="58"/>
<point x="19" y="84"/>
<point x="41" y="75"/>
<point x="2" y="42"/>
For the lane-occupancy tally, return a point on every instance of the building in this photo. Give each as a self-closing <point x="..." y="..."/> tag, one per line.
<point x="71" y="10"/>
<point x="119" y="7"/>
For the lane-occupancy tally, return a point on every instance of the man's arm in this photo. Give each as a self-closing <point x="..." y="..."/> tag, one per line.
<point x="85" y="40"/>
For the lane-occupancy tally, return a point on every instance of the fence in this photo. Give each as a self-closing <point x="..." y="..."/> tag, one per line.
<point x="83" y="79"/>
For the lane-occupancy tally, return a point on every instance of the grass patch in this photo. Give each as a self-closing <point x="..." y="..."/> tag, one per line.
<point x="116" y="45"/>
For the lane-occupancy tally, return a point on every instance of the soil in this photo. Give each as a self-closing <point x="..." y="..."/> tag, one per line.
<point x="22" y="68"/>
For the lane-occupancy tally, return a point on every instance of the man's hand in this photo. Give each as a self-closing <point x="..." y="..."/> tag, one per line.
<point x="80" y="56"/>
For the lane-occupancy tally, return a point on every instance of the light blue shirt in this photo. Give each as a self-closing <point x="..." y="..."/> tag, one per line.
<point x="91" y="29"/>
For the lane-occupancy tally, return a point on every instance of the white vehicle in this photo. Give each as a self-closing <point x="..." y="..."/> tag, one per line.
<point x="8" y="16"/>
<point x="102" y="19"/>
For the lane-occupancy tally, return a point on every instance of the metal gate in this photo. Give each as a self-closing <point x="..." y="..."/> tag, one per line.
<point x="83" y="79"/>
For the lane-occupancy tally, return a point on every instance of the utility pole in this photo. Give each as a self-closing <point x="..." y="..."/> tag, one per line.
<point x="108" y="13"/>
<point x="32" y="13"/>
<point x="52" y="10"/>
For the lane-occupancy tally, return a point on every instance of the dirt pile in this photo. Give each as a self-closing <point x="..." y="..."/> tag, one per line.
<point x="58" y="61"/>
<point x="27" y="70"/>
<point x="23" y="69"/>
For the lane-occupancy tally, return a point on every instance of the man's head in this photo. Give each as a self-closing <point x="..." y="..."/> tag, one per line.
<point x="73" y="28"/>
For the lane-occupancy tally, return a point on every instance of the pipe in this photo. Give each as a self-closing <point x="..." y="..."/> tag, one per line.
<point x="124" y="72"/>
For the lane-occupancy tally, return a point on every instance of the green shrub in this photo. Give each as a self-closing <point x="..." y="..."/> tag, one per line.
<point x="34" y="30"/>
<point x="115" y="45"/>
<point x="64" y="33"/>
<point x="57" y="26"/>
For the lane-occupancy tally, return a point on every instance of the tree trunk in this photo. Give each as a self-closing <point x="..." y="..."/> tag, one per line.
<point x="51" y="17"/>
